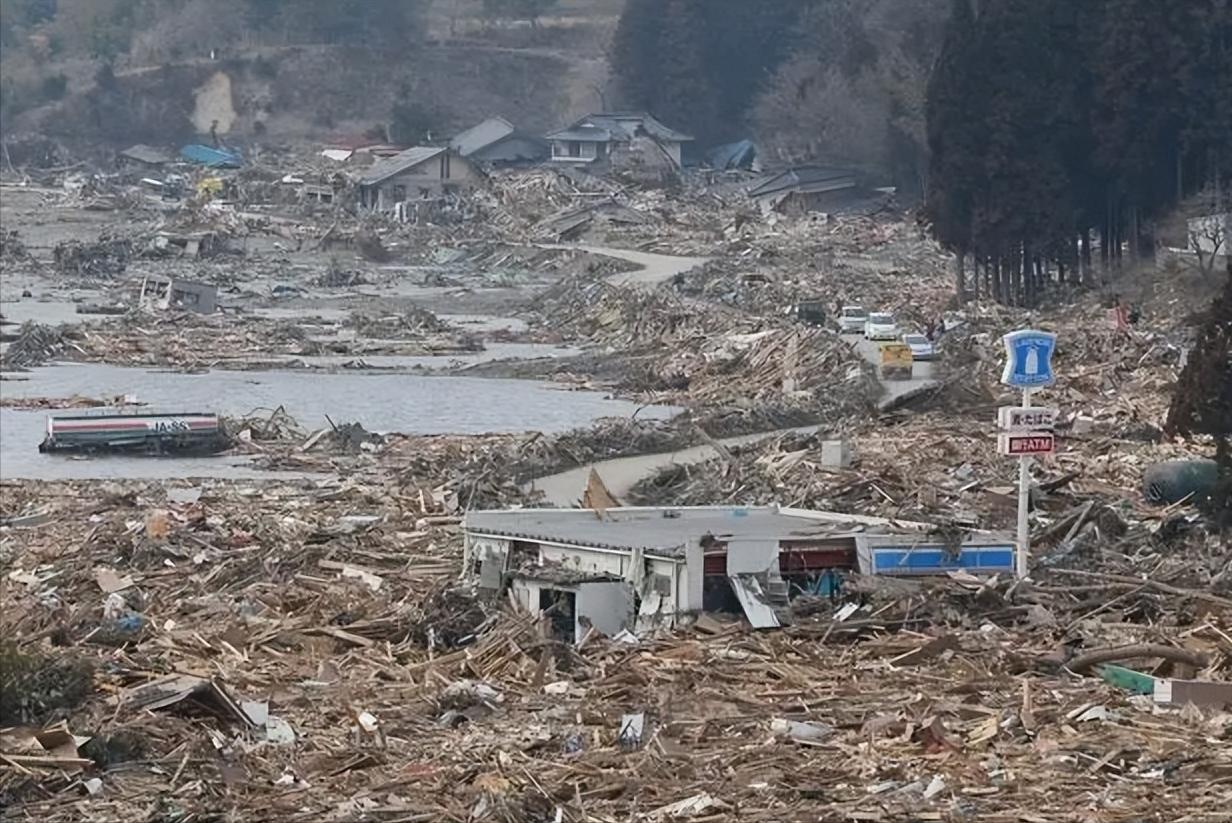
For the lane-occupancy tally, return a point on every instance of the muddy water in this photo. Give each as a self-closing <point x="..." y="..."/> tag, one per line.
<point x="412" y="404"/>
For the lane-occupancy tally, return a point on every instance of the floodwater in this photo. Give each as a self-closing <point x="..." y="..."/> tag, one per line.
<point x="412" y="404"/>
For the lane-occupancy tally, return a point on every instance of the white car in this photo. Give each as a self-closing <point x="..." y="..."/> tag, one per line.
<point x="851" y="319"/>
<point x="880" y="326"/>
<point x="921" y="347"/>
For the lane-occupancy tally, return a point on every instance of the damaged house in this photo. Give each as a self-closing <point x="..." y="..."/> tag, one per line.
<point x="612" y="139"/>
<point x="635" y="568"/>
<point x="803" y="189"/>
<point x="496" y="142"/>
<point x="418" y="173"/>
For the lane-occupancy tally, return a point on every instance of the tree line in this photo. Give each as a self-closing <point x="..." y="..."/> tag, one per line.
<point x="1060" y="131"/>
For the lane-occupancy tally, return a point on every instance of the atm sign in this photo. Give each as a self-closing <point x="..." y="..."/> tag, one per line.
<point x="1026" y="443"/>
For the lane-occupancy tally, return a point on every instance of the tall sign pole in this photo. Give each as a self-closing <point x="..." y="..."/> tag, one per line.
<point x="1026" y="430"/>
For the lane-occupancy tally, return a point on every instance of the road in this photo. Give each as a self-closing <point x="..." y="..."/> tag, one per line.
<point x="655" y="268"/>
<point x="622" y="473"/>
<point x="922" y="374"/>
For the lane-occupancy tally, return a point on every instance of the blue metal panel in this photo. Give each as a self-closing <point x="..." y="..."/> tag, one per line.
<point x="927" y="560"/>
<point x="211" y="157"/>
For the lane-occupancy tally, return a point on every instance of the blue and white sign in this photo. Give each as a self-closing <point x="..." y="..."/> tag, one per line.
<point x="1028" y="363"/>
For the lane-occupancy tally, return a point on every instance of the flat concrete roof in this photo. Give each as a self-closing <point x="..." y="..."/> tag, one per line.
<point x="664" y="531"/>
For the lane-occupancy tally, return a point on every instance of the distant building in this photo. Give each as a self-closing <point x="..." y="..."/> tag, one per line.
<point x="803" y="189"/>
<point x="496" y="142"/>
<point x="416" y="174"/>
<point x="599" y="139"/>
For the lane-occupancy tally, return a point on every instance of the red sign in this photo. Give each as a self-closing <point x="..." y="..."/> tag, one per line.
<point x="1027" y="443"/>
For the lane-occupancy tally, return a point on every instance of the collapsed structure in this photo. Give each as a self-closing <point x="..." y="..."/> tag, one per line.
<point x="638" y="568"/>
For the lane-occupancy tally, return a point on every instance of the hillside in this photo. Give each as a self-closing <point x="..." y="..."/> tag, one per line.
<point x="460" y="67"/>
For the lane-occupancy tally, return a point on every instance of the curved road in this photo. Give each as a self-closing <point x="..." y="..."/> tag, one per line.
<point x="655" y="268"/>
<point x="620" y="474"/>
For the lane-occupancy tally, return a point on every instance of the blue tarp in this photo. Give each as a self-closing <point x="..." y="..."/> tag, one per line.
<point x="211" y="157"/>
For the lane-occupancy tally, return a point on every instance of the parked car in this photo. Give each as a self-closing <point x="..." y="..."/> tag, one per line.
<point x="852" y="319"/>
<point x="880" y="326"/>
<point x="921" y="347"/>
<point x="811" y="312"/>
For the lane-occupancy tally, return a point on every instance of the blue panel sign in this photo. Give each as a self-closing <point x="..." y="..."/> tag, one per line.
<point x="1028" y="363"/>
<point x="917" y="560"/>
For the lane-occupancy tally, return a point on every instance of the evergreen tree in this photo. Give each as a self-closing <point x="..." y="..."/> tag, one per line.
<point x="637" y="51"/>
<point x="954" y="140"/>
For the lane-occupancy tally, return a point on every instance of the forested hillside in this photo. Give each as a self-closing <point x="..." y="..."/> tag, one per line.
<point x="1062" y="130"/>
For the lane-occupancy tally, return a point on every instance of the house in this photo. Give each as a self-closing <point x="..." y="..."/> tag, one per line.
<point x="803" y="189"/>
<point x="144" y="156"/>
<point x="496" y="142"/>
<point x="599" y="138"/>
<point x="634" y="568"/>
<point x="415" y="174"/>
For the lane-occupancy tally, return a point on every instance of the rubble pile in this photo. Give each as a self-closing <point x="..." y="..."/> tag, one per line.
<point x="107" y="257"/>
<point x="12" y="249"/>
<point x="411" y="322"/>
<point x="297" y="645"/>
<point x="34" y="344"/>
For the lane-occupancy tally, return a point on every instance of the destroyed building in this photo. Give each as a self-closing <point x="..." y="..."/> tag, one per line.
<point x="802" y="189"/>
<point x="635" y="568"/>
<point x="416" y="174"/>
<point x="143" y="156"/>
<point x="162" y="292"/>
<point x="597" y="140"/>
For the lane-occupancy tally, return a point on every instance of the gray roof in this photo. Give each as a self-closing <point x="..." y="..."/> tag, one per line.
<point x="620" y="126"/>
<point x="806" y="179"/>
<point x="584" y="134"/>
<point x="146" y="154"/>
<point x="400" y="162"/>
<point x="481" y="135"/>
<point x="663" y="531"/>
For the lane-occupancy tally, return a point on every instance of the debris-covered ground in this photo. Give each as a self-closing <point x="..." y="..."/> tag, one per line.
<point x="183" y="641"/>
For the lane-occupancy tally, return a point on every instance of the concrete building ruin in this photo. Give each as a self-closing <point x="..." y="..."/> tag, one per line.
<point x="160" y="292"/>
<point x="636" y="568"/>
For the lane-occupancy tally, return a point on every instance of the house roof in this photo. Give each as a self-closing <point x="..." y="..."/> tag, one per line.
<point x="146" y="154"/>
<point x="481" y="135"/>
<point x="806" y="180"/>
<point x="586" y="134"/>
<point x="400" y="162"/>
<point x="620" y="127"/>
<point x="664" y="531"/>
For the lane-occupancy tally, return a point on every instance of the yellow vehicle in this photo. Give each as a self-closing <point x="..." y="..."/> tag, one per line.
<point x="895" y="361"/>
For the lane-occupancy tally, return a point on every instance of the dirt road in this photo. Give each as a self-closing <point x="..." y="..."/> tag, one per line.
<point x="622" y="473"/>
<point x="656" y="268"/>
